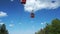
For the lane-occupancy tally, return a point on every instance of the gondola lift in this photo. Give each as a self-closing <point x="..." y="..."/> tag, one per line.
<point x="23" y="1"/>
<point x="32" y="14"/>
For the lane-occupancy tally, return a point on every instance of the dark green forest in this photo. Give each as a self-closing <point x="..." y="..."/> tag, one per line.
<point x="3" y="29"/>
<point x="53" y="28"/>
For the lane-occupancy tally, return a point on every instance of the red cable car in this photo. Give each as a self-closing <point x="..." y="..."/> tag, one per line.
<point x="23" y="1"/>
<point x="32" y="15"/>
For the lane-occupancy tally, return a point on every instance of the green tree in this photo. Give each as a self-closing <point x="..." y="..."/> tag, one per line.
<point x="3" y="29"/>
<point x="53" y="28"/>
<point x="56" y="26"/>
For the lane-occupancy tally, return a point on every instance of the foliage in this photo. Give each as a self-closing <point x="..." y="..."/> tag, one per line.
<point x="3" y="29"/>
<point x="53" y="28"/>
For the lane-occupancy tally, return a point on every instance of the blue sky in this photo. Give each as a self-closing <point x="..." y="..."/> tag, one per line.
<point x="17" y="17"/>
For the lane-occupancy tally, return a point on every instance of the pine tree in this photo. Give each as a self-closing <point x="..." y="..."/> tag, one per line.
<point x="53" y="28"/>
<point x="3" y="29"/>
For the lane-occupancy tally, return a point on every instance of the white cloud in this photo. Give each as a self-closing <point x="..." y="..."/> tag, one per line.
<point x="11" y="25"/>
<point x="43" y="23"/>
<point x="3" y="14"/>
<point x="41" y="4"/>
<point x="1" y="23"/>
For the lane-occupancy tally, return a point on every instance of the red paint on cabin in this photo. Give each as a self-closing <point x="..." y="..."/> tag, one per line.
<point x="32" y="15"/>
<point x="23" y="1"/>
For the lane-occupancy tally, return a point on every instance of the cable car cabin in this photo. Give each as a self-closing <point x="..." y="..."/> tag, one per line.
<point x="23" y="1"/>
<point x="32" y="15"/>
<point x="53" y="1"/>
